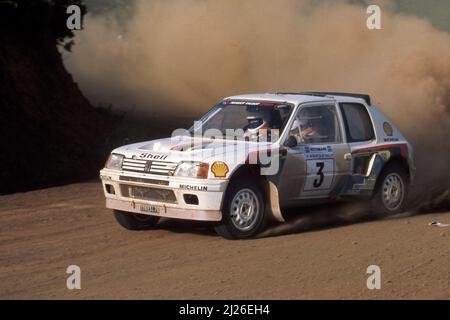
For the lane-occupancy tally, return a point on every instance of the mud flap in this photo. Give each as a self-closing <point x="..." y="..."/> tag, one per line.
<point x="274" y="203"/>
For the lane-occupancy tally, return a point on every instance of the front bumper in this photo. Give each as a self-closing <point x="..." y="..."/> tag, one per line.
<point x="167" y="212"/>
<point x="130" y="192"/>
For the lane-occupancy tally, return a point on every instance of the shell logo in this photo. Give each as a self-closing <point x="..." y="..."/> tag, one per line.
<point x="219" y="169"/>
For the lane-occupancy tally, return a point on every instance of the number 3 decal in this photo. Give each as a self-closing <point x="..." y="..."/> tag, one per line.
<point x="318" y="182"/>
<point x="319" y="174"/>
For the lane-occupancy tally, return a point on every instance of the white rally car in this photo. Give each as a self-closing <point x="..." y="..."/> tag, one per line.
<point x="251" y="156"/>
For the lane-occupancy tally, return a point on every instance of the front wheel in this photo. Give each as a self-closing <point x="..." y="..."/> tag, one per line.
<point x="243" y="212"/>
<point x="134" y="221"/>
<point x="391" y="191"/>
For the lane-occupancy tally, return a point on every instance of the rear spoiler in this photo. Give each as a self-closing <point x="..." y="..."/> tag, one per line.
<point x="365" y="97"/>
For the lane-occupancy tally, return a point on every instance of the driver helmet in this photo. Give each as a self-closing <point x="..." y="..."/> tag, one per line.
<point x="255" y="123"/>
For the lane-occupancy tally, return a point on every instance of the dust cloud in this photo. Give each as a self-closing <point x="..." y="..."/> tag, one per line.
<point x="179" y="57"/>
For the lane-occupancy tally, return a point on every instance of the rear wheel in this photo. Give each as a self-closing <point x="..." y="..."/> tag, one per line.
<point x="391" y="191"/>
<point x="243" y="212"/>
<point x="134" y="221"/>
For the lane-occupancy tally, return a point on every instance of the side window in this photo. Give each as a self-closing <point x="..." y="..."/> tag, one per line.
<point x="357" y="122"/>
<point x="317" y="124"/>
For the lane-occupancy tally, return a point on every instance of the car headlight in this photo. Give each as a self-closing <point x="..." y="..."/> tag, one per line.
<point x="114" y="161"/>
<point x="192" y="169"/>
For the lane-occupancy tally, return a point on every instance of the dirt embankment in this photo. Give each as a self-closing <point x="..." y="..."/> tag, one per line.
<point x="50" y="133"/>
<point x="320" y="258"/>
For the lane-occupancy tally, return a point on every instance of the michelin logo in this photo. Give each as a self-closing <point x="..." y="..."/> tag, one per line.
<point x="193" y="188"/>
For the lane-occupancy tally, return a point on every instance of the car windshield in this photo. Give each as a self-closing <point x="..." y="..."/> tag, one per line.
<point x="249" y="120"/>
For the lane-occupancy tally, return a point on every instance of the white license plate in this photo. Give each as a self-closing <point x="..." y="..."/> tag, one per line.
<point x="150" y="209"/>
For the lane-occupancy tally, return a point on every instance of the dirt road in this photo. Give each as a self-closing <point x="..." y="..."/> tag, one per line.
<point x="43" y="232"/>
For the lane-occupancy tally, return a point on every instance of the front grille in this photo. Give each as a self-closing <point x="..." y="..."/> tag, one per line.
<point x="149" y="194"/>
<point x="143" y="180"/>
<point x="148" y="166"/>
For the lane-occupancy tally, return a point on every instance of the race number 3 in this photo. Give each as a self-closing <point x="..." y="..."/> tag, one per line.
<point x="318" y="182"/>
<point x="319" y="175"/>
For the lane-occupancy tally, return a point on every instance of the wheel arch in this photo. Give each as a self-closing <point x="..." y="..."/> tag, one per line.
<point x="397" y="160"/>
<point x="268" y="188"/>
<point x="392" y="161"/>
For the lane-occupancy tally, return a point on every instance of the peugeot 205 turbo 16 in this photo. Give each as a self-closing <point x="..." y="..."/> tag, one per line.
<point x="251" y="156"/>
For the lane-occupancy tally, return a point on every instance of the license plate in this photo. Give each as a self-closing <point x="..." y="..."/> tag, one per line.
<point x="150" y="209"/>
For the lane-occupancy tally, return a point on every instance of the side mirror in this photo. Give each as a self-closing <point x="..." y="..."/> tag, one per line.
<point x="291" y="142"/>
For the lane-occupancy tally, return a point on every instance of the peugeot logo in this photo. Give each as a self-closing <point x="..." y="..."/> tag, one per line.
<point x="148" y="166"/>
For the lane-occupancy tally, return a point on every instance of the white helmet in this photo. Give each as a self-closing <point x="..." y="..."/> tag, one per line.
<point x="254" y="124"/>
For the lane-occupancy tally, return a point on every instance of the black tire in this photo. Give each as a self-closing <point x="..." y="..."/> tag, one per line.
<point x="250" y="193"/>
<point x="134" y="221"/>
<point x="392" y="175"/>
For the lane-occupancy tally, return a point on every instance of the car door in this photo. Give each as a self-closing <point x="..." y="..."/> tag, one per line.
<point x="360" y="134"/>
<point x="317" y="166"/>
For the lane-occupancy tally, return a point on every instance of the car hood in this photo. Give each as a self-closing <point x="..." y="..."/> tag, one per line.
<point x="183" y="148"/>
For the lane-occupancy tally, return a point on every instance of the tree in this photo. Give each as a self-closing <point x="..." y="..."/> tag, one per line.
<point x="36" y="19"/>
